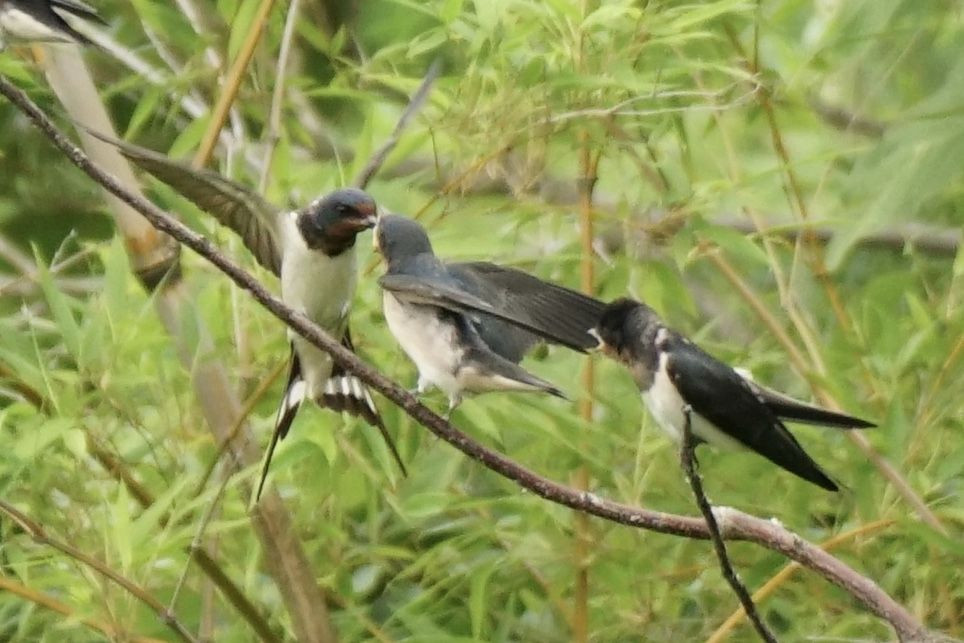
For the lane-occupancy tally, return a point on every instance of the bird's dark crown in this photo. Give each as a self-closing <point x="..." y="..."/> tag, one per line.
<point x="398" y="238"/>
<point x="331" y="223"/>
<point x="623" y="323"/>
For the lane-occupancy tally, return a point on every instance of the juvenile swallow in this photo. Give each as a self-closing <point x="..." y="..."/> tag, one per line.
<point x="466" y="326"/>
<point x="312" y="250"/>
<point x="43" y="20"/>
<point x="726" y="408"/>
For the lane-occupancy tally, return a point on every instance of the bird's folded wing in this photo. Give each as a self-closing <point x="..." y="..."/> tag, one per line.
<point x="436" y="291"/>
<point x="255" y="220"/>
<point x="724" y="398"/>
<point x="77" y="8"/>
<point x="551" y="311"/>
<point x="788" y="408"/>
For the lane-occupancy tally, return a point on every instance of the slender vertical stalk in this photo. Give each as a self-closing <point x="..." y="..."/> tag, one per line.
<point x="580" y="611"/>
<point x="232" y="83"/>
<point x="273" y="133"/>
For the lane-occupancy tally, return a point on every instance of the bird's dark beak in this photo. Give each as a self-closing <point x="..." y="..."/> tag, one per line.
<point x="601" y="346"/>
<point x="367" y="219"/>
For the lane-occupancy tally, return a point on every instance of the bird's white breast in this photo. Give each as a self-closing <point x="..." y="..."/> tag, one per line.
<point x="427" y="340"/>
<point x="321" y="287"/>
<point x="666" y="406"/>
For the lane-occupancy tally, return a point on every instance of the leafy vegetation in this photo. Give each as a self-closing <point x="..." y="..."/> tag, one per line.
<point x="787" y="115"/>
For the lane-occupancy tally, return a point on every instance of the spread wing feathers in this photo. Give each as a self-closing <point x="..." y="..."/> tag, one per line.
<point x="345" y="392"/>
<point x="255" y="220"/>
<point x="77" y="8"/>
<point x="784" y="406"/>
<point x="553" y="312"/>
<point x="291" y="401"/>
<point x="720" y="395"/>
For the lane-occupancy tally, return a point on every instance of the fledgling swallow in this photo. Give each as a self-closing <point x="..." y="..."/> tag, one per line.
<point x="466" y="326"/>
<point x="726" y="408"/>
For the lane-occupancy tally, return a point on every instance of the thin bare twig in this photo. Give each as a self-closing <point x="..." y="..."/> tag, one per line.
<point x="39" y="534"/>
<point x="738" y="526"/>
<point x="687" y="457"/>
<point x="414" y="105"/>
<point x="589" y="166"/>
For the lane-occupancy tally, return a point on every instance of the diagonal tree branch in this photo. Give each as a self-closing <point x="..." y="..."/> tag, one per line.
<point x="738" y="526"/>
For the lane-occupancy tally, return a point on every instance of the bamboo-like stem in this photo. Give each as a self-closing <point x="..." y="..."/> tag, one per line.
<point x="48" y="602"/>
<point x="589" y="164"/>
<point x="232" y="83"/>
<point x="768" y="588"/>
<point x="737" y="526"/>
<point x="39" y="534"/>
<point x="196" y="19"/>
<point x="688" y="460"/>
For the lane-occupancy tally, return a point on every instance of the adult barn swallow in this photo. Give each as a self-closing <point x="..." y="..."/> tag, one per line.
<point x="43" y="20"/>
<point x="726" y="408"/>
<point x="466" y="326"/>
<point x="312" y="250"/>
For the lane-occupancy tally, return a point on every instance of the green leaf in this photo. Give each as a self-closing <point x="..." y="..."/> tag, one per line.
<point x="60" y="307"/>
<point x="478" y="598"/>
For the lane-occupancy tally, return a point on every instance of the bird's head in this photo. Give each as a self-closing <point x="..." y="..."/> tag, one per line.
<point x="398" y="238"/>
<point x="620" y="327"/>
<point x="331" y="223"/>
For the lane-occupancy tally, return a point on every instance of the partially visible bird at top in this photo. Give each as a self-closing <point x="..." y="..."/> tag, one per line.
<point x="726" y="408"/>
<point x="44" y="20"/>
<point x="312" y="250"/>
<point x="466" y="326"/>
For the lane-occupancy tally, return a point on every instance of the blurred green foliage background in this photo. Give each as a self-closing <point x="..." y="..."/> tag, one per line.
<point x="709" y="119"/>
